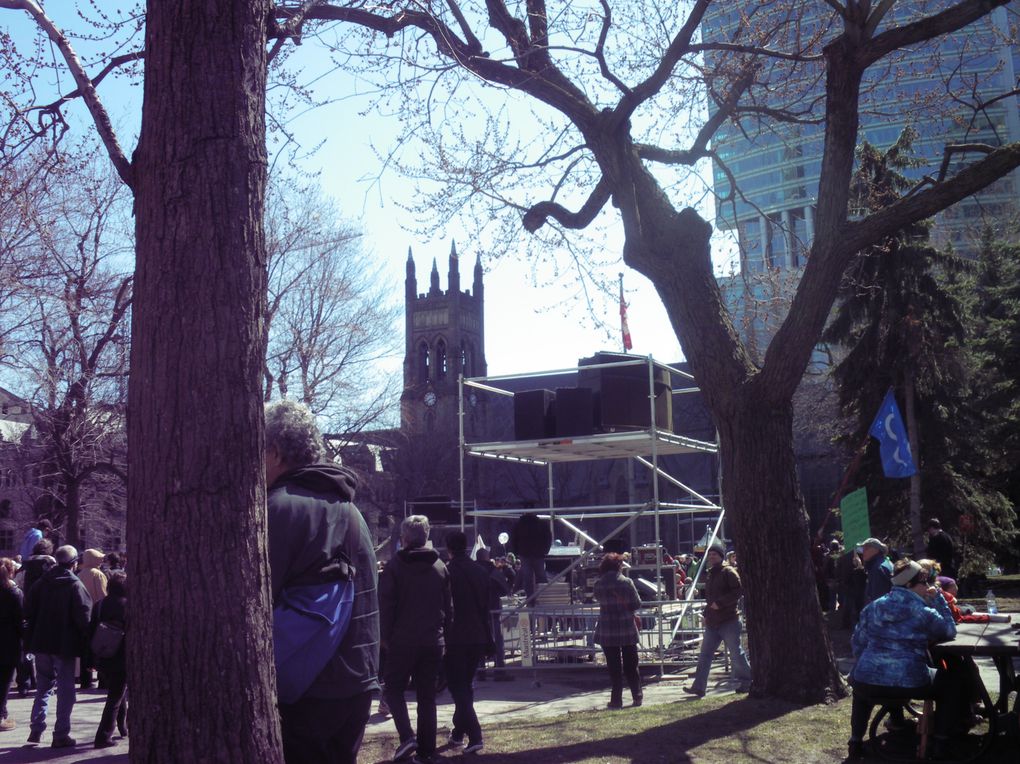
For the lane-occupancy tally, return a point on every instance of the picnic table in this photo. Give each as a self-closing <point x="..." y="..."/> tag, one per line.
<point x="1001" y="643"/>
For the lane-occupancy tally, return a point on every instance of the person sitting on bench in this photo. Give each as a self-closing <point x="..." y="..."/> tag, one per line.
<point x="891" y="645"/>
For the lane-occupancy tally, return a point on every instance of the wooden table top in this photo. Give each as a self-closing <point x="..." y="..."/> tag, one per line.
<point x="988" y="639"/>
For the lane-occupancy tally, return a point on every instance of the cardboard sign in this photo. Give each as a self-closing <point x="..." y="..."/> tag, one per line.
<point x="853" y="510"/>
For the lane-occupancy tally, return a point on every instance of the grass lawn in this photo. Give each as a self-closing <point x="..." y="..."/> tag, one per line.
<point x="728" y="729"/>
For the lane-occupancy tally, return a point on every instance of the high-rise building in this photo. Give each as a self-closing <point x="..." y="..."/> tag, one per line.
<point x="944" y="90"/>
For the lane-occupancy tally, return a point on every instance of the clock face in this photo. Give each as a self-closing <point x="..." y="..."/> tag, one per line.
<point x="430" y="398"/>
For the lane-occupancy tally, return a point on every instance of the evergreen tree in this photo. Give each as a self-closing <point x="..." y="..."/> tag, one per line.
<point x="994" y="332"/>
<point x="899" y="318"/>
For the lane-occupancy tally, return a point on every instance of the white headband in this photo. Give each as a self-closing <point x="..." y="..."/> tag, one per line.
<point x="907" y="575"/>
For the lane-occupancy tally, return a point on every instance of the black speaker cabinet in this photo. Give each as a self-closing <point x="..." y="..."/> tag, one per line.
<point x="533" y="414"/>
<point x="440" y="510"/>
<point x="621" y="394"/>
<point x="575" y="411"/>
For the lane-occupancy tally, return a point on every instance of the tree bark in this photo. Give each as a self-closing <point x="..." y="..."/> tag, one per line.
<point x="791" y="656"/>
<point x="200" y="655"/>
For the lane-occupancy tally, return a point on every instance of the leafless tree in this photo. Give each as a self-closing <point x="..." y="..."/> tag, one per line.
<point x="583" y="106"/>
<point x="67" y="319"/>
<point x="327" y="316"/>
<point x="198" y="178"/>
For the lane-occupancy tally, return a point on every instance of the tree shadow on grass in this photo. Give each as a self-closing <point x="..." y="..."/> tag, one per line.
<point x="664" y="743"/>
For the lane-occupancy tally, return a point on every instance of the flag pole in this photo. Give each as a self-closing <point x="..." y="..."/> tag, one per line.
<point x="624" y="327"/>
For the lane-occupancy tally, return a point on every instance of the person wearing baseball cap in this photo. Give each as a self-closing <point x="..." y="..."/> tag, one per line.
<point x="878" y="567"/>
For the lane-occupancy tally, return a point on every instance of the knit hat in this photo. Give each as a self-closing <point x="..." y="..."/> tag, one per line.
<point x="718" y="547"/>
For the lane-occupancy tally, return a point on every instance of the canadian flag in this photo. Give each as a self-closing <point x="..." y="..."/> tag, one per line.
<point x="627" y="344"/>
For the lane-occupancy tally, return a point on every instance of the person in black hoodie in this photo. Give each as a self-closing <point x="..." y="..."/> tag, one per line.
<point x="57" y="610"/>
<point x="416" y="610"/>
<point x="468" y="639"/>
<point x="112" y="609"/>
<point x="311" y="518"/>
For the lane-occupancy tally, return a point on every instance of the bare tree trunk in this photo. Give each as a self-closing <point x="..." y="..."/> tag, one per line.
<point x="766" y="513"/>
<point x="200" y="647"/>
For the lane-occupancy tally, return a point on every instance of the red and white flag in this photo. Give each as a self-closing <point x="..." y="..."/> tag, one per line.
<point x="627" y="344"/>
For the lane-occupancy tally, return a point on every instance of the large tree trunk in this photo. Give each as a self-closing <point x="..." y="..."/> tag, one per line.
<point x="791" y="656"/>
<point x="200" y="655"/>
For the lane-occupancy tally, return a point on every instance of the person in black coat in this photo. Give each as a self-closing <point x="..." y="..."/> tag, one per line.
<point x="112" y="609"/>
<point x="531" y="539"/>
<point x="468" y="639"/>
<point x="11" y="629"/>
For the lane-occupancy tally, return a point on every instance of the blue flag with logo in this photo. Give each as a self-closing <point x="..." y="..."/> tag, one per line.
<point x="897" y="461"/>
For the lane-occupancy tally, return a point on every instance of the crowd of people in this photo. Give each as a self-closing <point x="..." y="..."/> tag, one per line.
<point x="53" y="601"/>
<point x="346" y="627"/>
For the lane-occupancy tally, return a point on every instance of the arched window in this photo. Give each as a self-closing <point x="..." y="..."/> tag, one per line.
<point x="441" y="360"/>
<point x="423" y="362"/>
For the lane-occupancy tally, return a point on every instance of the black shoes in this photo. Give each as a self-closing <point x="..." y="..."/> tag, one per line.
<point x="691" y="690"/>
<point x="855" y="750"/>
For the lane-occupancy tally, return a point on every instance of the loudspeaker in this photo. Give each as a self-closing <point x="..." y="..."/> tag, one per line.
<point x="574" y="411"/>
<point x="621" y="394"/>
<point x="440" y="510"/>
<point x="533" y="414"/>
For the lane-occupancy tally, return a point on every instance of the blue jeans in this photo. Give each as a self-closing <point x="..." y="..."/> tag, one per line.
<point x="729" y="633"/>
<point x="53" y="671"/>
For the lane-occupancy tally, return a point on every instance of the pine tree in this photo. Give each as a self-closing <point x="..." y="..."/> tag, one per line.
<point x="899" y="316"/>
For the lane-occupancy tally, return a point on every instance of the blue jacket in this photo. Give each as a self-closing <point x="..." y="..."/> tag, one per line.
<point x="879" y="571"/>
<point x="891" y="639"/>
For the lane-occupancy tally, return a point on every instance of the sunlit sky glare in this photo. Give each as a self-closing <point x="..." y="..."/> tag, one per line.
<point x="535" y="319"/>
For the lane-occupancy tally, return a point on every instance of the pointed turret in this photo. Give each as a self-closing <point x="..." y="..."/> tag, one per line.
<point x="434" y="278"/>
<point x="477" y="288"/>
<point x="454" y="275"/>
<point x="411" y="282"/>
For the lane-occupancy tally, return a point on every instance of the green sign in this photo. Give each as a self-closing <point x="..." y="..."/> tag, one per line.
<point x="854" y="511"/>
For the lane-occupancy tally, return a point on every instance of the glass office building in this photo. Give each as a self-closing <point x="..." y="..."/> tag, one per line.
<point x="776" y="165"/>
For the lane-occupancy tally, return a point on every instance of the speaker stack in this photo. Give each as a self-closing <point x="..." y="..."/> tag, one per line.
<point x="621" y="393"/>
<point x="534" y="417"/>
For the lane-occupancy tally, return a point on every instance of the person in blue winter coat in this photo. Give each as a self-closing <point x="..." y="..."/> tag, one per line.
<point x="891" y="646"/>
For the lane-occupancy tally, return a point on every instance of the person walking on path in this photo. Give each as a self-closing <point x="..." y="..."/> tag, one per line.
<point x="416" y="611"/>
<point x="616" y="630"/>
<point x="468" y="639"/>
<point x="57" y="609"/>
<point x="11" y="630"/>
<point x="313" y="520"/>
<point x="113" y="610"/>
<point x="95" y="584"/>
<point x="722" y="592"/>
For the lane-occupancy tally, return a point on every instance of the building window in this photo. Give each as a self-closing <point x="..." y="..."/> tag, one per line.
<point x="441" y="360"/>
<point x="465" y="367"/>
<point x="6" y="478"/>
<point x="113" y="541"/>
<point x="5" y="509"/>
<point x="423" y="362"/>
<point x="7" y="539"/>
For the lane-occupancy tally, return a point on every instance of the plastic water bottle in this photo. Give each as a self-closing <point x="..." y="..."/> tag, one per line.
<point x="991" y="606"/>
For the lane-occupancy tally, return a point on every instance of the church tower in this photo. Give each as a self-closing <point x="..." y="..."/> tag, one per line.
<point x="444" y="337"/>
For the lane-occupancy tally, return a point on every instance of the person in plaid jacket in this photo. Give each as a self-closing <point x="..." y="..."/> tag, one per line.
<point x="616" y="630"/>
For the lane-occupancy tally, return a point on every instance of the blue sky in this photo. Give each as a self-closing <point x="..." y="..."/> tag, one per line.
<point x="536" y="315"/>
